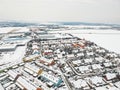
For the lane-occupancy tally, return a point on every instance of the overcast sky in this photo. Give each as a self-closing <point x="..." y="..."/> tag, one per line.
<point x="101" y="11"/>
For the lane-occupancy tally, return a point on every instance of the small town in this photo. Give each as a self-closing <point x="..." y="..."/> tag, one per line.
<point x="34" y="59"/>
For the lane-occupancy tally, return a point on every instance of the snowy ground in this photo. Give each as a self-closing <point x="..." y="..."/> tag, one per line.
<point x="13" y="56"/>
<point x="109" y="39"/>
<point x="15" y="29"/>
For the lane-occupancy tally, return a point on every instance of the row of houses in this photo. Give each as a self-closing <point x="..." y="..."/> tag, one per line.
<point x="21" y="81"/>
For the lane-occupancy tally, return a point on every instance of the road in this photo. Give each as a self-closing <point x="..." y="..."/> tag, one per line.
<point x="88" y="74"/>
<point x="65" y="80"/>
<point x="79" y="74"/>
<point x="57" y="71"/>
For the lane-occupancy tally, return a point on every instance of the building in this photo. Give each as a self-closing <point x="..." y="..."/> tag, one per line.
<point x="110" y="76"/>
<point x="21" y="82"/>
<point x="47" y="61"/>
<point x="30" y="58"/>
<point x="79" y="84"/>
<point x="32" y="69"/>
<point x="52" y="78"/>
<point x="7" y="47"/>
<point x="96" y="81"/>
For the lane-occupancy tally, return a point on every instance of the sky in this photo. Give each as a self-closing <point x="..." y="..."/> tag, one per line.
<point x="99" y="11"/>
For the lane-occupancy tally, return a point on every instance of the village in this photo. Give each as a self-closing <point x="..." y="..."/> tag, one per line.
<point x="37" y="60"/>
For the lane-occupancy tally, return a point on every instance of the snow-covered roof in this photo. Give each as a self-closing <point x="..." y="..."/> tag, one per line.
<point x="80" y="54"/>
<point x="7" y="46"/>
<point x="31" y="57"/>
<point x="88" y="60"/>
<point x="101" y="50"/>
<point x="76" y="61"/>
<point x="48" y="51"/>
<point x="100" y="59"/>
<point x="62" y="36"/>
<point x="7" y="29"/>
<point x="22" y="29"/>
<point x="112" y="54"/>
<point x="12" y="85"/>
<point x="80" y="83"/>
<point x="84" y="68"/>
<point x="110" y="76"/>
<point x="35" y="51"/>
<point x="22" y="81"/>
<point x="28" y="70"/>
<point x="25" y="84"/>
<point x="90" y="53"/>
<point x="35" y="47"/>
<point x="108" y="64"/>
<point x="70" y="55"/>
<point x="46" y="60"/>
<point x="50" y="77"/>
<point x="32" y="68"/>
<point x="12" y="73"/>
<point x="97" y="80"/>
<point x="96" y="66"/>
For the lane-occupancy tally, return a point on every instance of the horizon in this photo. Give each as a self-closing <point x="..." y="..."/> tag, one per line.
<point x="61" y="22"/>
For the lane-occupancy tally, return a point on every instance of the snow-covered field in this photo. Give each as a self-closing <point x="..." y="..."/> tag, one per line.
<point x="15" y="29"/>
<point x="14" y="56"/>
<point x="109" y="39"/>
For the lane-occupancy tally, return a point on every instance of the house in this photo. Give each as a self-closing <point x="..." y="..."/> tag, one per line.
<point x="35" y="51"/>
<point x="90" y="53"/>
<point x="85" y="69"/>
<point x="78" y="84"/>
<point x="78" y="45"/>
<point x="99" y="59"/>
<point x="30" y="58"/>
<point x="21" y="82"/>
<point x="12" y="86"/>
<point x="100" y="51"/>
<point x="111" y="55"/>
<point x="47" y="61"/>
<point x="107" y="64"/>
<point x="80" y="54"/>
<point x="70" y="55"/>
<point x="52" y="78"/>
<point x="88" y="60"/>
<point x="32" y="69"/>
<point x="35" y="47"/>
<point x="47" y="52"/>
<point x="96" y="81"/>
<point x="76" y="62"/>
<point x="8" y="47"/>
<point x="110" y="76"/>
<point x="96" y="67"/>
